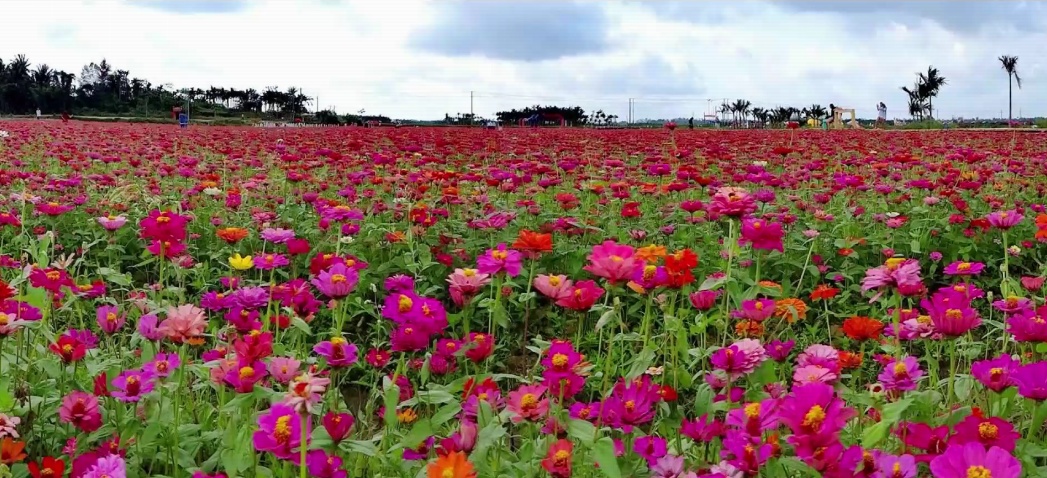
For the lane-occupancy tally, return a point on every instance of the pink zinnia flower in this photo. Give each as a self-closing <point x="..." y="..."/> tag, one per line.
<point x="731" y="201"/>
<point x="555" y="287"/>
<point x="903" y="274"/>
<point x="338" y="425"/>
<point x="613" y="261"/>
<point x="108" y="466"/>
<point x="813" y="374"/>
<point x="500" y="259"/>
<point x="183" y="323"/>
<point x="705" y="299"/>
<point x="112" y="223"/>
<point x="278" y="236"/>
<point x="650" y="448"/>
<point x="80" y="409"/>
<point x="305" y="391"/>
<point x="972" y="460"/>
<point x="820" y="355"/>
<point x="582" y="296"/>
<point x="1005" y="219"/>
<point x="466" y="284"/>
<point x="110" y="319"/>
<point x="1014" y="305"/>
<point x="322" y="465"/>
<point x="283" y="369"/>
<point x="528" y="403"/>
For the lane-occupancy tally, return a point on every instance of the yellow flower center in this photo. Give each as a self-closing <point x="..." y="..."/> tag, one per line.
<point x="963" y="266"/>
<point x="752" y="410"/>
<point x="282" y="430"/>
<point x="500" y="255"/>
<point x="978" y="471"/>
<point x="562" y="457"/>
<point x="54" y="275"/>
<point x="110" y="317"/>
<point x="554" y="281"/>
<point x="893" y="263"/>
<point x="630" y="405"/>
<point x="758" y="306"/>
<point x="995" y="372"/>
<point x="338" y="341"/>
<point x="814" y="417"/>
<point x="559" y="360"/>
<point x="528" y="401"/>
<point x="988" y="431"/>
<point x="616" y="258"/>
<point x="954" y="314"/>
<point x="447" y="473"/>
<point x="469" y="272"/>
<point x="900" y="370"/>
<point x="246" y="373"/>
<point x="648" y="272"/>
<point x="337" y="278"/>
<point x="404" y="304"/>
<point x="163" y="220"/>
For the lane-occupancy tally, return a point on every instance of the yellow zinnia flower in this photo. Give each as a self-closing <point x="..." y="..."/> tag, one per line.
<point x="241" y="263"/>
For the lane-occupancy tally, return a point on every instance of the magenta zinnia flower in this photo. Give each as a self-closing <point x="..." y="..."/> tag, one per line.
<point x="555" y="287"/>
<point x="613" y="261"/>
<point x="753" y="419"/>
<point x="337" y="281"/>
<point x="1029" y="326"/>
<point x="990" y="432"/>
<point x="964" y="268"/>
<point x="951" y="313"/>
<point x="756" y="310"/>
<point x="650" y="447"/>
<point x="337" y="351"/>
<point x="277" y="236"/>
<point x="814" y="410"/>
<point x="901" y="375"/>
<point x="162" y="365"/>
<point x="972" y="460"/>
<point x="132" y="385"/>
<point x="1032" y="381"/>
<point x="996" y="374"/>
<point x="762" y="235"/>
<point x="270" y="261"/>
<point x="582" y="296"/>
<point x="279" y="431"/>
<point x="500" y="259"/>
<point x="1012" y="305"/>
<point x="732" y="201"/>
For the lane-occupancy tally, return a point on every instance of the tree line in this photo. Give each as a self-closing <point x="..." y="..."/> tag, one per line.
<point x="102" y="88"/>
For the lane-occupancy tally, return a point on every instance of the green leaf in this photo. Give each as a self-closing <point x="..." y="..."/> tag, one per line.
<point x="391" y="395"/>
<point x="892" y="412"/>
<point x="795" y="468"/>
<point x="640" y="364"/>
<point x="604" y="454"/>
<point x="300" y="324"/>
<point x="581" y="431"/>
<point x="444" y="414"/>
<point x="419" y="432"/>
<point x="875" y="434"/>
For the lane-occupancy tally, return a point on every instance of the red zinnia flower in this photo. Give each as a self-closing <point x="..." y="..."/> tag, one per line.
<point x="69" y="349"/>
<point x="862" y="328"/>
<point x="49" y="467"/>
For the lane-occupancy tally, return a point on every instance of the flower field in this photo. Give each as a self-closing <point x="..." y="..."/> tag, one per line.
<point x="453" y="303"/>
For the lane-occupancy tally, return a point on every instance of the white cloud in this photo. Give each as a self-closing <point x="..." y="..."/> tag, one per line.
<point x="669" y="55"/>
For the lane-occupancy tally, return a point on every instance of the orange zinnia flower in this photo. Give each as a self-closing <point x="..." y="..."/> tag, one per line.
<point x="231" y="235"/>
<point x="533" y="244"/>
<point x="850" y="360"/>
<point x="862" y="328"/>
<point x="451" y="465"/>
<point x="749" y="329"/>
<point x="790" y="309"/>
<point x="651" y="254"/>
<point x="11" y="451"/>
<point x="824" y="292"/>
<point x="770" y="284"/>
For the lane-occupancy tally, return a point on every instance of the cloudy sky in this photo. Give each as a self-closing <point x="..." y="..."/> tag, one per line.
<point x="421" y="58"/>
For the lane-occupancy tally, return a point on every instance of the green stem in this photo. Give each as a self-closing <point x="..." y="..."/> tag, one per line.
<point x="304" y="446"/>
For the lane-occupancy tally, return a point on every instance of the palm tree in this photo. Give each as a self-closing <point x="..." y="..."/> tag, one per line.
<point x="1010" y="65"/>
<point x="916" y="105"/>
<point x="930" y="84"/>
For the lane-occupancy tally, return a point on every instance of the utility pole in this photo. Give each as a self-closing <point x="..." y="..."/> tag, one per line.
<point x="471" y="114"/>
<point x="631" y="111"/>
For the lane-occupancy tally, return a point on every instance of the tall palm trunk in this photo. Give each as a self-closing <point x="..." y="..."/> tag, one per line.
<point x="1010" y="100"/>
